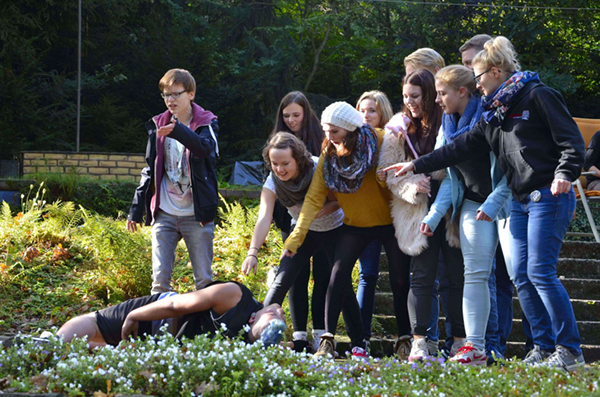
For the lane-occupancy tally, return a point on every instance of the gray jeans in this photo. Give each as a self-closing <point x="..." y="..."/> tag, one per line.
<point x="594" y="185"/>
<point x="167" y="230"/>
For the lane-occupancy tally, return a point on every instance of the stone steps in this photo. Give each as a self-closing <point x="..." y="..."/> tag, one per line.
<point x="585" y="310"/>
<point x="578" y="270"/>
<point x="578" y="288"/>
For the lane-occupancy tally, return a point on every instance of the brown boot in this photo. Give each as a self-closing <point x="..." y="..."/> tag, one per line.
<point x="402" y="346"/>
<point x="326" y="347"/>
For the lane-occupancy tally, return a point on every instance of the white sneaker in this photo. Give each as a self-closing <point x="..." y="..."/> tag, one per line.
<point x="419" y="350"/>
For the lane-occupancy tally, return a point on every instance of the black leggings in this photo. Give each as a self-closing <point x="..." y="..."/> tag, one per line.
<point x="351" y="243"/>
<point x="294" y="274"/>
<point x="298" y="295"/>
<point x="424" y="271"/>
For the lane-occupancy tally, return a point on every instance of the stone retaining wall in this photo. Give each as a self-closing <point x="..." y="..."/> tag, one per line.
<point x="101" y="165"/>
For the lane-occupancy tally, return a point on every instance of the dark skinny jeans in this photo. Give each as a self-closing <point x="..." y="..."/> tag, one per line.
<point x="424" y="272"/>
<point x="351" y="243"/>
<point x="295" y="271"/>
<point x="298" y="294"/>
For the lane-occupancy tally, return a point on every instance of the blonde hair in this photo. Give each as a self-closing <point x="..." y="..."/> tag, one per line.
<point x="500" y="53"/>
<point x="178" y="76"/>
<point x="425" y="58"/>
<point x="457" y="76"/>
<point x="383" y="107"/>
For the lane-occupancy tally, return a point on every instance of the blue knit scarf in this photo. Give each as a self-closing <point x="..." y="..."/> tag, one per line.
<point x="453" y="127"/>
<point x="496" y="105"/>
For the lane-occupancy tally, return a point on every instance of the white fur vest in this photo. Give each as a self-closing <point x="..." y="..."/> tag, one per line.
<point x="409" y="208"/>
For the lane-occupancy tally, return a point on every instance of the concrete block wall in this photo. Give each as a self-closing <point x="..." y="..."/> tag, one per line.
<point x="101" y="165"/>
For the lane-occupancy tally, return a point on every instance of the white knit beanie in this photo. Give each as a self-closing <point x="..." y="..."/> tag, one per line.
<point x="342" y="115"/>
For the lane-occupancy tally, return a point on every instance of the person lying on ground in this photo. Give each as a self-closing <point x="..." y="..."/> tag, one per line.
<point x="226" y="306"/>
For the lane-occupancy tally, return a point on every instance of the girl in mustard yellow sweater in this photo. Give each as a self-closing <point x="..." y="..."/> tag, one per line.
<point x="347" y="167"/>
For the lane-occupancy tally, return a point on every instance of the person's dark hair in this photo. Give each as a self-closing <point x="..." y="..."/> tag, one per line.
<point x="284" y="140"/>
<point x="311" y="132"/>
<point x="476" y="42"/>
<point x="423" y="131"/>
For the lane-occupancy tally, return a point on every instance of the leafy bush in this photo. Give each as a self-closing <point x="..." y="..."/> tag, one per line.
<point x="580" y="223"/>
<point x="108" y="198"/>
<point x="57" y="260"/>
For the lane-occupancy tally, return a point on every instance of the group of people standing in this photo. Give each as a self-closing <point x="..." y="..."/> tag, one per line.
<point x="436" y="185"/>
<point x="468" y="189"/>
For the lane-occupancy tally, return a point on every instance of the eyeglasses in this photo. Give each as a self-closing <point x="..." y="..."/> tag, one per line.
<point x="476" y="78"/>
<point x="174" y="95"/>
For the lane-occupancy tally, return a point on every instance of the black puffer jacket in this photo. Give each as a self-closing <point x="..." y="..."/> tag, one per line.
<point x="200" y="146"/>
<point x="537" y="142"/>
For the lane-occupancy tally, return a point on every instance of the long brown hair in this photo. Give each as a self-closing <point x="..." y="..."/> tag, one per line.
<point x="284" y="140"/>
<point x="423" y="131"/>
<point x="311" y="132"/>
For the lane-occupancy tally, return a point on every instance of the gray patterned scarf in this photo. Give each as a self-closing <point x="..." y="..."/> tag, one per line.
<point x="345" y="174"/>
<point x="291" y="192"/>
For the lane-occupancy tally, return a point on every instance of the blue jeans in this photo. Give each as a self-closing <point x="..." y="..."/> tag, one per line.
<point x="537" y="230"/>
<point x="167" y="230"/>
<point x="506" y="276"/>
<point x="492" y="337"/>
<point x="367" y="284"/>
<point x="478" y="242"/>
<point x="504" y="293"/>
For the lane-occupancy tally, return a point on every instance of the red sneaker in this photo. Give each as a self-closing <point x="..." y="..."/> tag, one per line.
<point x="359" y="353"/>
<point x="470" y="355"/>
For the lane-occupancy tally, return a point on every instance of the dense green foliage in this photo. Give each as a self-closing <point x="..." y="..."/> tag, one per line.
<point x="246" y="55"/>
<point x="108" y="198"/>
<point x="58" y="260"/>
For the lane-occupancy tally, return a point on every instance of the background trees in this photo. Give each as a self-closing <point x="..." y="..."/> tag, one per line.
<point x="246" y="55"/>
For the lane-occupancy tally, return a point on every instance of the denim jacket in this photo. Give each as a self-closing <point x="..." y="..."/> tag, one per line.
<point x="452" y="191"/>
